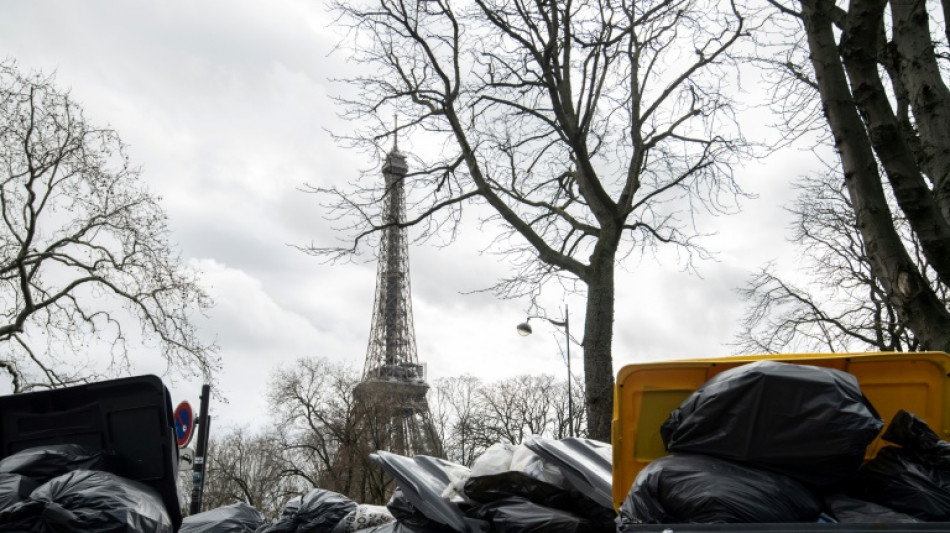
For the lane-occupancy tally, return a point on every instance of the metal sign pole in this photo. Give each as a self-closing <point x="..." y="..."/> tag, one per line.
<point x="570" y="393"/>
<point x="198" y="471"/>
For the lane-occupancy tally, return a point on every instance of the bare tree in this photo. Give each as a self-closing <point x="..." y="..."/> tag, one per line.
<point x="456" y="413"/>
<point x="472" y="415"/>
<point x="521" y="407"/>
<point x="324" y="437"/>
<point x="244" y="467"/>
<point x="589" y="129"/>
<point x="845" y="307"/>
<point x="81" y="239"/>
<point x="883" y="93"/>
<point x="313" y="401"/>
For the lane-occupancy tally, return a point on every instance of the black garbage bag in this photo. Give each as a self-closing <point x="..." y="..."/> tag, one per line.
<point x="287" y="522"/>
<point x="429" y="487"/>
<point x="43" y="463"/>
<point x="518" y="515"/>
<point x="236" y="518"/>
<point x="848" y="510"/>
<point x="586" y="464"/>
<point x="491" y="488"/>
<point x="86" y="500"/>
<point x="485" y="489"/>
<point x="318" y="511"/>
<point x="685" y="488"/>
<point x="412" y="518"/>
<point x="900" y="479"/>
<point x="912" y="433"/>
<point x="807" y="422"/>
<point x="15" y="488"/>
<point x="913" y="479"/>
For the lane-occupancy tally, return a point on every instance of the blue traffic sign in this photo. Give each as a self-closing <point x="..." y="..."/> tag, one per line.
<point x="184" y="424"/>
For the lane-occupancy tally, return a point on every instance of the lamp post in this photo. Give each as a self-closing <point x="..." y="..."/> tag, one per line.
<point x="524" y="329"/>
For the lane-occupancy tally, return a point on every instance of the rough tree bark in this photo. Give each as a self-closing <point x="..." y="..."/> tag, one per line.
<point x="866" y="133"/>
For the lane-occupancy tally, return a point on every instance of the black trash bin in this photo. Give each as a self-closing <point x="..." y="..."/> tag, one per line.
<point x="128" y="420"/>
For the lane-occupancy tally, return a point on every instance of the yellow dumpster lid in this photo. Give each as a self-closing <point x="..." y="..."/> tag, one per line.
<point x="646" y="393"/>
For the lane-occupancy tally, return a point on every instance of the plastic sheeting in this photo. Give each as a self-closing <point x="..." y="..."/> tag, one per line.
<point x="807" y="422"/>
<point x="85" y="500"/>
<point x="318" y="511"/>
<point x="679" y="489"/>
<point x="236" y="518"/>
<point x="43" y="463"/>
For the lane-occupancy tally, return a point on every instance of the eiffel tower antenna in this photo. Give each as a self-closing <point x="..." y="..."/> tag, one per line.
<point x="395" y="132"/>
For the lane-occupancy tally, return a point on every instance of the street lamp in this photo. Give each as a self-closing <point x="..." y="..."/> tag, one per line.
<point x="524" y="329"/>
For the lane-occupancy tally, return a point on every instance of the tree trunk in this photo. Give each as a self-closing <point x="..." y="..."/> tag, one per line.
<point x="598" y="337"/>
<point x="915" y="199"/>
<point x="929" y="96"/>
<point x="915" y="301"/>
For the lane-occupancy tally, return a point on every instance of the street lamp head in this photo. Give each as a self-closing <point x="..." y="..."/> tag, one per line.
<point x="524" y="329"/>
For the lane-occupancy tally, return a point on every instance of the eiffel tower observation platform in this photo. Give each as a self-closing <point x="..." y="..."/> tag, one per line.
<point x="398" y="398"/>
<point x="399" y="384"/>
<point x="394" y="403"/>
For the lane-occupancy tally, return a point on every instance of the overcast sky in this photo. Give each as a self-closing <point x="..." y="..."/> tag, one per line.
<point x="225" y="106"/>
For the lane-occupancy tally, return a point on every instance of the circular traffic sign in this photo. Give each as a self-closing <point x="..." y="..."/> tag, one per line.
<point x="184" y="424"/>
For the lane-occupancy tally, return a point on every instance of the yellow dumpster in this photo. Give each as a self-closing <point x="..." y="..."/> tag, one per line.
<point x="646" y="393"/>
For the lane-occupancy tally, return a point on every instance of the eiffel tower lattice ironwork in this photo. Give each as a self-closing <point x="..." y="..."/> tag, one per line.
<point x="392" y="391"/>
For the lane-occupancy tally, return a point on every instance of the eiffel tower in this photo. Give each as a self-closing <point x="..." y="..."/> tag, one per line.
<point x="391" y="396"/>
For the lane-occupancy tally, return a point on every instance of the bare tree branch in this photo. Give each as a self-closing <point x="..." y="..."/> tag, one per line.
<point x="83" y="246"/>
<point x="575" y="122"/>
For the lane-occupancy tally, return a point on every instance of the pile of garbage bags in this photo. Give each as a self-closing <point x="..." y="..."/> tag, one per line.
<point x="318" y="511"/>
<point x="65" y="488"/>
<point x="553" y="486"/>
<point x="772" y="442"/>
<point x="557" y="486"/>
